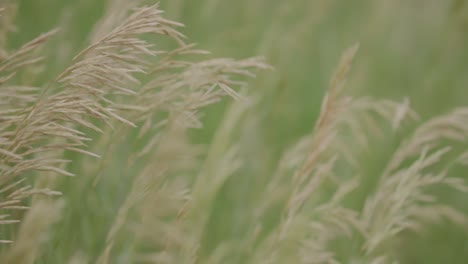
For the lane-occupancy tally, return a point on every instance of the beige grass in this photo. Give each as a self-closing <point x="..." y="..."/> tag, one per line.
<point x="125" y="87"/>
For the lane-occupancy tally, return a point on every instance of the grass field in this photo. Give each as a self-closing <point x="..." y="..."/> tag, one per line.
<point x="323" y="131"/>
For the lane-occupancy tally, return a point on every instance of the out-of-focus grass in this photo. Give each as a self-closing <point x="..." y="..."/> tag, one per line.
<point x="408" y="48"/>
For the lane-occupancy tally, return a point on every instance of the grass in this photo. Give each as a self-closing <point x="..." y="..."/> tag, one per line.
<point x="122" y="142"/>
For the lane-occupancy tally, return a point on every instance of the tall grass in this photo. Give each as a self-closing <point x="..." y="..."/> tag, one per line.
<point x="101" y="161"/>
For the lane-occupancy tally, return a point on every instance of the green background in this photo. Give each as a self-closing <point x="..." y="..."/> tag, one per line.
<point x="414" y="49"/>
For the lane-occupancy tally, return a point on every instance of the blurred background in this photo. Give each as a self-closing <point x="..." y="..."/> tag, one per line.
<point x="415" y="49"/>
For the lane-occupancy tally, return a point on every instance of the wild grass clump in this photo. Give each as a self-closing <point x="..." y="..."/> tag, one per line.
<point x="99" y="164"/>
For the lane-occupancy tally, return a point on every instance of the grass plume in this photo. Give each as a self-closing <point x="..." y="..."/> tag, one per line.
<point x="151" y="178"/>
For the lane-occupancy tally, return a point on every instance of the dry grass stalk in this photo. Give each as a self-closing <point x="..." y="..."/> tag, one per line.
<point x="316" y="168"/>
<point x="115" y="12"/>
<point x="401" y="200"/>
<point x="181" y="94"/>
<point x="33" y="232"/>
<point x="81" y="92"/>
<point x="103" y="86"/>
<point x="16" y="152"/>
<point x="180" y="89"/>
<point x="323" y="134"/>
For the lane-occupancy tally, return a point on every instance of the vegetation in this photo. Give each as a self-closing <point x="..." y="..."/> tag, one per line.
<point x="123" y="142"/>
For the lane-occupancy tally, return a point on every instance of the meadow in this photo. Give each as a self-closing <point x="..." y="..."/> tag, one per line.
<point x="248" y="131"/>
